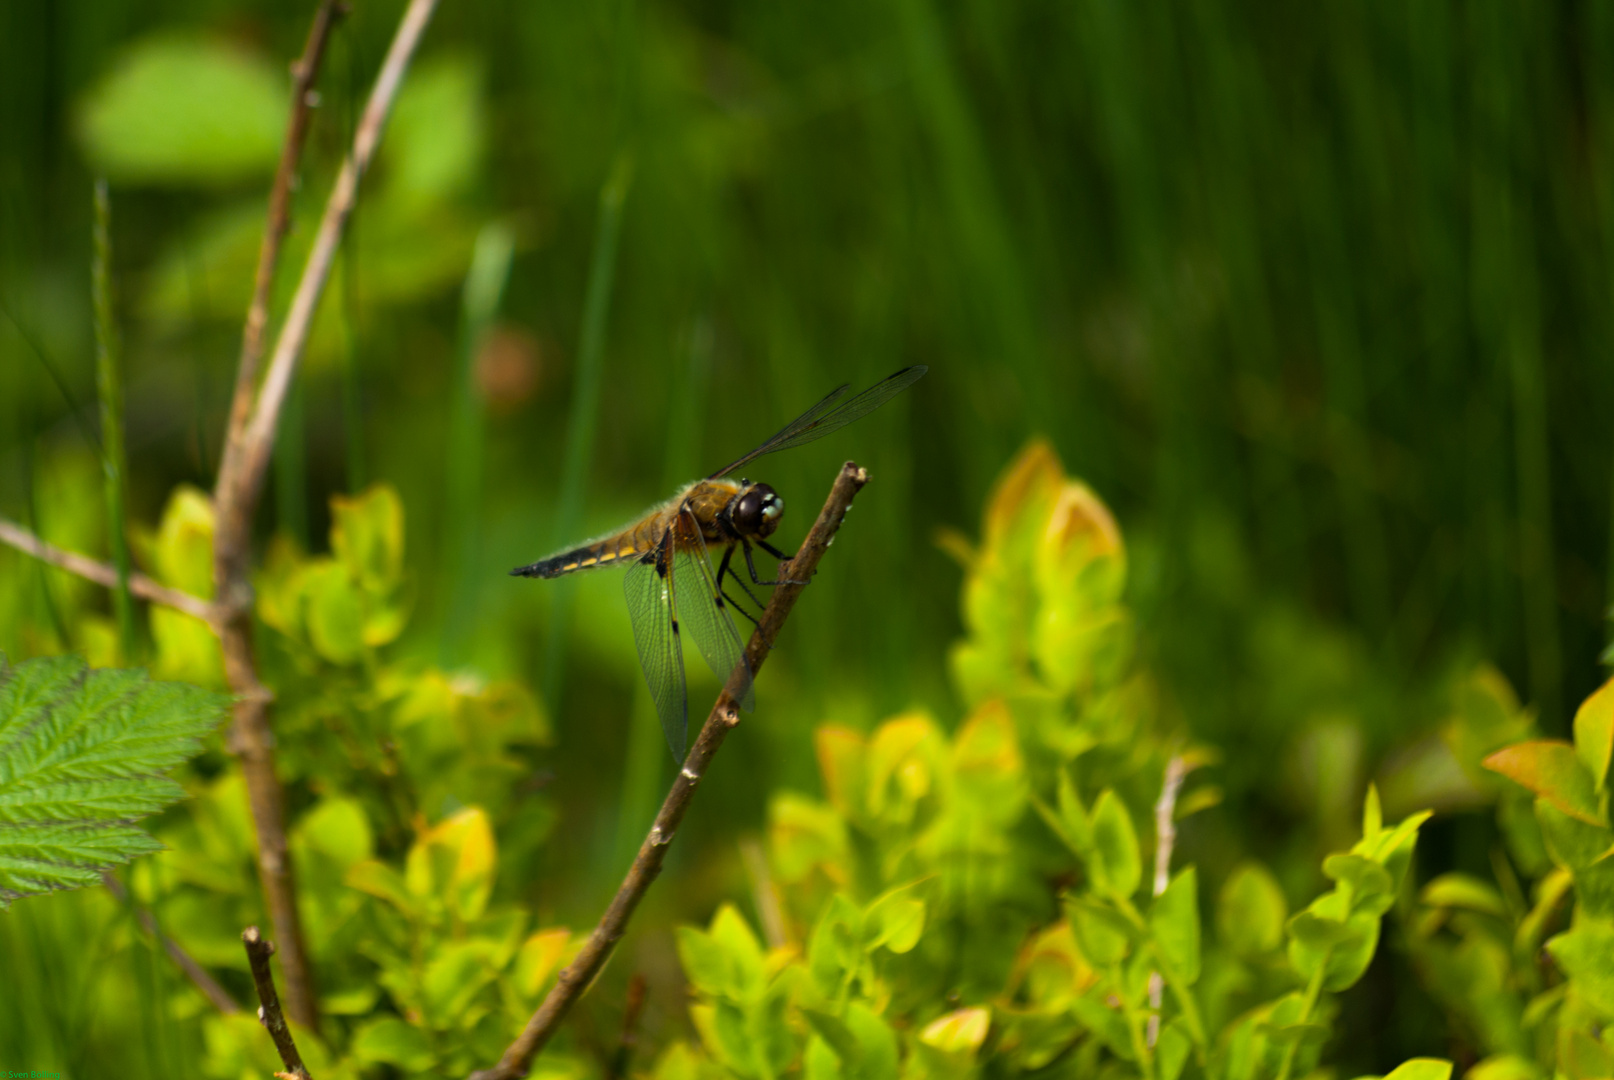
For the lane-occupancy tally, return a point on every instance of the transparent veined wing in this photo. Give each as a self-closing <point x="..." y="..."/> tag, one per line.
<point x="651" y="587"/>
<point x="830" y="414"/>
<point x="703" y="611"/>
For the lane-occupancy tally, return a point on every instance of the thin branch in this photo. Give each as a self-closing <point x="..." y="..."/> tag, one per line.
<point x="1165" y="833"/>
<point x="258" y="953"/>
<point x="303" y="74"/>
<point x="241" y="471"/>
<point x="198" y="975"/>
<point x="102" y="573"/>
<point x="724" y="717"/>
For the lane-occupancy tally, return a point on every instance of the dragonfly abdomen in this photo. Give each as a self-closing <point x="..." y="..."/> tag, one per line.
<point x="615" y="550"/>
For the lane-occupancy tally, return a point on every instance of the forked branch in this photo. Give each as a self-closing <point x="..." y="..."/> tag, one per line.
<point x="248" y="443"/>
<point x="724" y="717"/>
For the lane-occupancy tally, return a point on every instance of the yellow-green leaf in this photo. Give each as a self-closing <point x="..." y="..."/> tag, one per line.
<point x="1551" y="769"/>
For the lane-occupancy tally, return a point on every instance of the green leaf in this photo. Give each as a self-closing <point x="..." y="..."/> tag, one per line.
<point x="1504" y="1067"/>
<point x="1103" y="935"/>
<point x="1464" y="891"/>
<point x="1251" y="911"/>
<point x="835" y="948"/>
<point x="336" y="611"/>
<point x="959" y="1032"/>
<point x="1552" y="769"/>
<point x="337" y="826"/>
<point x="1171" y="1053"/>
<point x="391" y="1041"/>
<point x="1582" y="849"/>
<point x="1174" y="922"/>
<point x="1421" y="1069"/>
<point x="1418" y="1069"/>
<point x="1369" y="884"/>
<point x="81" y="758"/>
<point x="894" y="921"/>
<point x="876" y="1042"/>
<point x="804" y="834"/>
<point x="1594" y="733"/>
<point x="367" y="537"/>
<point x="725" y="961"/>
<point x="1372" y="813"/>
<point x="453" y="863"/>
<point x="437" y="133"/>
<point x="733" y="935"/>
<point x="1340" y="948"/>
<point x="1582" y="1057"/>
<point x="1586" y="954"/>
<point x="185" y="111"/>
<point x="1115" y="866"/>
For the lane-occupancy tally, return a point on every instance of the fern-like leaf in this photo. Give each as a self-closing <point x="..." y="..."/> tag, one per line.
<point x="82" y="756"/>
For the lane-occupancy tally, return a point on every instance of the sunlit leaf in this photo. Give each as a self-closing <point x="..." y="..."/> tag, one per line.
<point x="183" y="111"/>
<point x="1174" y="923"/>
<point x="1115" y="866"/>
<point x="1551" y="769"/>
<point x="1594" y="733"/>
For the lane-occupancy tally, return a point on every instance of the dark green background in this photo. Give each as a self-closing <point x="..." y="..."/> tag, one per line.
<point x="1316" y="297"/>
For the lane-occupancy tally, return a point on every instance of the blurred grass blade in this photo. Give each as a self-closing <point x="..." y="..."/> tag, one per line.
<point x="467" y="438"/>
<point x="585" y="412"/>
<point x="352" y="399"/>
<point x="109" y="387"/>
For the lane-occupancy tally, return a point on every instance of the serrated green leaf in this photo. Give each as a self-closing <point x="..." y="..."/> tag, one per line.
<point x="81" y="758"/>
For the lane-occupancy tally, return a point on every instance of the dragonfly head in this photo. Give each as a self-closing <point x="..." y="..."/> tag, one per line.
<point x="755" y="511"/>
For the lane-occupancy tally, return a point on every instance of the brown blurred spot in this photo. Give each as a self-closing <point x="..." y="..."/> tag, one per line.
<point x="509" y="367"/>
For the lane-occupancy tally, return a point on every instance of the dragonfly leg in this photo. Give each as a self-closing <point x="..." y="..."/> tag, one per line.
<point x="725" y="570"/>
<point x="752" y="566"/>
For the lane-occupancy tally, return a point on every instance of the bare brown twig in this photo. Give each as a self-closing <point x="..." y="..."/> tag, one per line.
<point x="209" y="986"/>
<point x="102" y="573"/>
<point x="724" y="717"/>
<point x="246" y="456"/>
<point x="303" y="73"/>
<point x="258" y="953"/>
<point x="1165" y="832"/>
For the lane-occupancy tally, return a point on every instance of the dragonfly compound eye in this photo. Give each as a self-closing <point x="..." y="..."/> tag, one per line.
<point x="758" y="511"/>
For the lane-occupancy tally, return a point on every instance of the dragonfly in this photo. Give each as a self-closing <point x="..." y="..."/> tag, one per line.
<point x="670" y="584"/>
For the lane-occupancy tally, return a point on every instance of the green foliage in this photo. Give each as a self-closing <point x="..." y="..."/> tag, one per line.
<point x="1482" y="948"/>
<point x="185" y="111"/>
<point x="926" y="934"/>
<point x="82" y="757"/>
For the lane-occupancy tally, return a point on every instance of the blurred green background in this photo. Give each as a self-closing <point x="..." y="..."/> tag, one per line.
<point x="1317" y="299"/>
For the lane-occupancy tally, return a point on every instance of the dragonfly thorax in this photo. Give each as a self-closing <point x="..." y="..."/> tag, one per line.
<point x="755" y="511"/>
